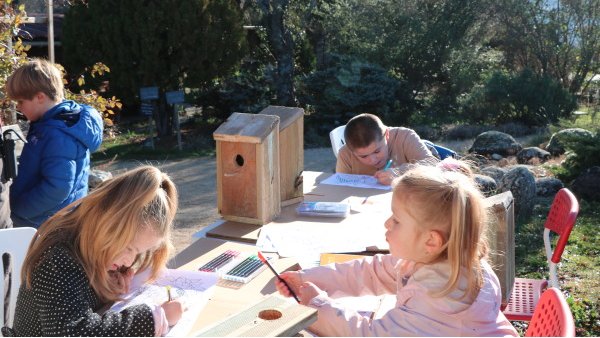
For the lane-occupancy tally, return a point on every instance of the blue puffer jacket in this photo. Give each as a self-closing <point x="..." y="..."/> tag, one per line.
<point x="55" y="163"/>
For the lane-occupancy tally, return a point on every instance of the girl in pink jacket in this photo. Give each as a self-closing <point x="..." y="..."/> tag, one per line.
<point x="436" y="267"/>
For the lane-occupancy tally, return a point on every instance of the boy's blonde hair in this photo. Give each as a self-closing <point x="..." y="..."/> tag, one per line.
<point x="99" y="226"/>
<point x="362" y="130"/>
<point x="448" y="201"/>
<point x="36" y="76"/>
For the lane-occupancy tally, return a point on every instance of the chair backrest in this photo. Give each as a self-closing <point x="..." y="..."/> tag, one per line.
<point x="561" y="219"/>
<point x="439" y="151"/>
<point x="15" y="243"/>
<point x="337" y="139"/>
<point x="552" y="316"/>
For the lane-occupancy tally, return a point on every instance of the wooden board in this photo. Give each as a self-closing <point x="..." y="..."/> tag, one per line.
<point x="226" y="301"/>
<point x="249" y="128"/>
<point x="501" y="238"/>
<point x="291" y="150"/>
<point x="291" y="160"/>
<point x="268" y="179"/>
<point x="237" y="190"/>
<point x="287" y="115"/>
<point x="255" y="322"/>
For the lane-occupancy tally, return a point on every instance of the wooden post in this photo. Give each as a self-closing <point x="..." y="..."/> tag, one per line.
<point x="50" y="31"/>
<point x="501" y="238"/>
<point x="291" y="151"/>
<point x="248" y="168"/>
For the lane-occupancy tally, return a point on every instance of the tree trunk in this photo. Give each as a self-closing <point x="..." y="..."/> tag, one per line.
<point x="282" y="48"/>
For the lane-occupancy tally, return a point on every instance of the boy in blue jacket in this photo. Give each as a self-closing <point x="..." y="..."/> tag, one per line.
<point x="55" y="163"/>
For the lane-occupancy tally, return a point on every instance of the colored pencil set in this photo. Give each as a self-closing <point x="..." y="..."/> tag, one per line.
<point x="233" y="266"/>
<point x="219" y="262"/>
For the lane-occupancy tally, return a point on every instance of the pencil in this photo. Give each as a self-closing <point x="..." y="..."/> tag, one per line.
<point x="387" y="165"/>
<point x="169" y="293"/>
<point x="262" y="258"/>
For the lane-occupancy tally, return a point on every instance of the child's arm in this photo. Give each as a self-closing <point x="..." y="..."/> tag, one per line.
<point x="66" y="303"/>
<point x="54" y="182"/>
<point x="414" y="149"/>
<point x="418" y="313"/>
<point x="369" y="276"/>
<point x="344" y="160"/>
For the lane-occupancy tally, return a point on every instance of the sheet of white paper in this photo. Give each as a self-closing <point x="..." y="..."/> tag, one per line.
<point x="193" y="286"/>
<point x="297" y="238"/>
<point x="356" y="181"/>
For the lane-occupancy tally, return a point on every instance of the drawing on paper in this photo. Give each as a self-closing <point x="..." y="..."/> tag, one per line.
<point x="357" y="181"/>
<point x="192" y="286"/>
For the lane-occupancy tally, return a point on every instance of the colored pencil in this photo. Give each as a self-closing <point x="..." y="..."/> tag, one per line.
<point x="387" y="165"/>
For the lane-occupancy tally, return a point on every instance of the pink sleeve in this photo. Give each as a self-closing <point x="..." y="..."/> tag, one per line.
<point x="161" y="324"/>
<point x="368" y="276"/>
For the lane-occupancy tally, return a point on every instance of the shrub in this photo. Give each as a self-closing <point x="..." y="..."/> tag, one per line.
<point x="525" y="97"/>
<point x="165" y="43"/>
<point x="348" y="86"/>
<point x="584" y="154"/>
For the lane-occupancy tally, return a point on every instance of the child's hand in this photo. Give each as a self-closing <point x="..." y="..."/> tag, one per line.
<point x="385" y="177"/>
<point x="293" y="278"/>
<point x="308" y="291"/>
<point x="174" y="310"/>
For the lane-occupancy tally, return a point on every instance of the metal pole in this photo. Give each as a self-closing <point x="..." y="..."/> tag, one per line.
<point x="50" y="31"/>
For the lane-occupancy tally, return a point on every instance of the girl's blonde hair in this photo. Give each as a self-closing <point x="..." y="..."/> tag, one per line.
<point x="37" y="75"/>
<point x="99" y="226"/>
<point x="448" y="201"/>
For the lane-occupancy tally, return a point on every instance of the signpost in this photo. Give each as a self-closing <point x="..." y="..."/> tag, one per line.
<point x="148" y="96"/>
<point x="174" y="98"/>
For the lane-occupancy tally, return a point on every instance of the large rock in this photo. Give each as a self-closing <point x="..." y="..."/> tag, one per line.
<point x="494" y="172"/>
<point x="521" y="183"/>
<point x="587" y="185"/>
<point x="97" y="177"/>
<point x="555" y="146"/>
<point x="495" y="142"/>
<point x="486" y="184"/>
<point x="532" y="155"/>
<point x="548" y="186"/>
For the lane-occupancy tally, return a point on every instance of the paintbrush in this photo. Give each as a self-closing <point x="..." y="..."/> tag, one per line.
<point x="265" y="261"/>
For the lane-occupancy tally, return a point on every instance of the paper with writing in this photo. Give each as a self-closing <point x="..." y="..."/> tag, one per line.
<point x="193" y="286"/>
<point x="356" y="181"/>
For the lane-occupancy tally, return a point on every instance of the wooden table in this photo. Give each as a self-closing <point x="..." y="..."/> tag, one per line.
<point x="500" y="233"/>
<point x="313" y="192"/>
<point x="227" y="301"/>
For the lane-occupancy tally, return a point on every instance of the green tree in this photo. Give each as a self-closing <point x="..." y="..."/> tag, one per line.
<point x="560" y="39"/>
<point x="13" y="53"/>
<point x="166" y="43"/>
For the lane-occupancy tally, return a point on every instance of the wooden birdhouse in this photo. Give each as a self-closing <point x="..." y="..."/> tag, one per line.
<point x="291" y="151"/>
<point x="248" y="168"/>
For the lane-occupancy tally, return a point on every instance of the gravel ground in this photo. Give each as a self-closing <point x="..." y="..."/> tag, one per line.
<point x="195" y="179"/>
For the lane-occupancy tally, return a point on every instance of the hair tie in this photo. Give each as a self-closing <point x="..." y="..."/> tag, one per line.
<point x="449" y="163"/>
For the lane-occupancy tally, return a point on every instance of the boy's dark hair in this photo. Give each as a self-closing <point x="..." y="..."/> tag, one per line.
<point x="362" y="130"/>
<point x="35" y="76"/>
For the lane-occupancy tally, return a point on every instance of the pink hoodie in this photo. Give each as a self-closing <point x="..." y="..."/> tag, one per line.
<point x="416" y="313"/>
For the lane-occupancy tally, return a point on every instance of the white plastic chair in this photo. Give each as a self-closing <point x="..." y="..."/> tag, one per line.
<point x="337" y="139"/>
<point x="15" y="242"/>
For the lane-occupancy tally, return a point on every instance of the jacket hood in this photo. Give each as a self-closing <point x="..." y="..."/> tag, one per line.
<point x="82" y="122"/>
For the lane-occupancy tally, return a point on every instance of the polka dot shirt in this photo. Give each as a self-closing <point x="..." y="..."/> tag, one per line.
<point x="61" y="302"/>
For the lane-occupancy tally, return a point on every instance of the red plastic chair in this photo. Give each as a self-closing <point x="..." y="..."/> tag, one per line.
<point x="552" y="317"/>
<point x="526" y="292"/>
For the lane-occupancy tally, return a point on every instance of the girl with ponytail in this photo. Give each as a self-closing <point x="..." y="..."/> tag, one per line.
<point x="436" y="267"/>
